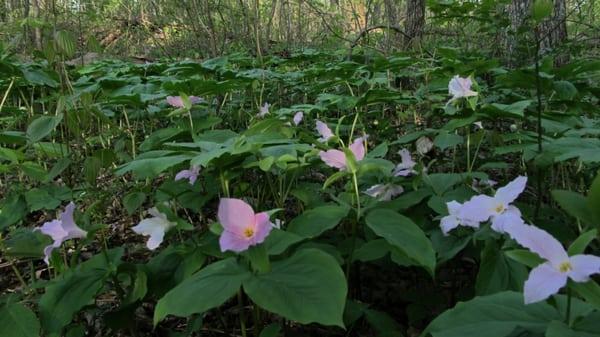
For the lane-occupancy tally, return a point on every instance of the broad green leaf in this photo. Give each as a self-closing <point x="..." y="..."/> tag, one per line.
<point x="16" y="320"/>
<point x="314" y="222"/>
<point x="524" y="257"/>
<point x="574" y="204"/>
<point x="133" y="201"/>
<point x="152" y="164"/>
<point x="205" y="290"/>
<point x="492" y="316"/>
<point x="593" y="200"/>
<point x="308" y="287"/>
<point x="590" y="291"/>
<point x="405" y="235"/>
<point x="565" y="90"/>
<point x="67" y="295"/>
<point x="578" y="246"/>
<point x="42" y="127"/>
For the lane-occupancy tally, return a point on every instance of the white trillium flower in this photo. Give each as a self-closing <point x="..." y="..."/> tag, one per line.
<point x="154" y="227"/>
<point x="384" y="192"/>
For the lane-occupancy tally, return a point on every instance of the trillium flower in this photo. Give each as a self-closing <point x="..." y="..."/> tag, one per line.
<point x="455" y="218"/>
<point x="61" y="230"/>
<point x="264" y="110"/>
<point x="154" y="227"/>
<point x="337" y="158"/>
<point x="324" y="131"/>
<point x="482" y="207"/>
<point x="298" y="117"/>
<point x="177" y="101"/>
<point x="384" y="192"/>
<point x="547" y="278"/>
<point x="242" y="228"/>
<point x="460" y="87"/>
<point x="406" y="166"/>
<point x="479" y="125"/>
<point x="191" y="174"/>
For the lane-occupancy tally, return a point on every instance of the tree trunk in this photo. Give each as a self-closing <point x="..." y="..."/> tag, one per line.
<point x="391" y="11"/>
<point x="414" y="22"/>
<point x="518" y="12"/>
<point x="553" y="32"/>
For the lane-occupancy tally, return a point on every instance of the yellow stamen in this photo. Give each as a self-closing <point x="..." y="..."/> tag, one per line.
<point x="565" y="267"/>
<point x="499" y="208"/>
<point x="249" y="232"/>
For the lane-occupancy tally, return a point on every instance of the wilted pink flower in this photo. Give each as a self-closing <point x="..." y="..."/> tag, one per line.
<point x="547" y="278"/>
<point x="242" y="228"/>
<point x="61" y="230"/>
<point x="154" y="227"/>
<point x="482" y="207"/>
<point x="455" y="218"/>
<point x="324" y="131"/>
<point x="460" y="87"/>
<point x="264" y="110"/>
<point x="177" y="101"/>
<point x="298" y="117"/>
<point x="191" y="174"/>
<point x="337" y="158"/>
<point x="406" y="166"/>
<point x="384" y="192"/>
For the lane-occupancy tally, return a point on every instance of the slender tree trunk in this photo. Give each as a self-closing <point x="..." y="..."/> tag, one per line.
<point x="554" y="32"/>
<point x="414" y="22"/>
<point x="518" y="12"/>
<point x="391" y="10"/>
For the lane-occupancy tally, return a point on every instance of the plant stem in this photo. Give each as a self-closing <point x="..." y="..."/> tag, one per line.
<point x="354" y="225"/>
<point x="242" y="316"/>
<point x="538" y="90"/>
<point x="568" y="314"/>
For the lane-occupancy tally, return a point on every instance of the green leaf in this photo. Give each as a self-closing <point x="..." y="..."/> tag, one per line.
<point x="402" y="233"/>
<point x="593" y="200"/>
<point x="493" y="316"/>
<point x="271" y="330"/>
<point x="590" y="291"/>
<point x="133" y="201"/>
<point x="40" y="199"/>
<point x="525" y="257"/>
<point x="65" y="43"/>
<point x="16" y="320"/>
<point x="314" y="222"/>
<point x="574" y="204"/>
<point x="67" y="295"/>
<point x="578" y="246"/>
<point x="445" y="140"/>
<point x="214" y="285"/>
<point x="152" y="163"/>
<point x="516" y="109"/>
<point x="307" y="287"/>
<point x="565" y="90"/>
<point x="42" y="127"/>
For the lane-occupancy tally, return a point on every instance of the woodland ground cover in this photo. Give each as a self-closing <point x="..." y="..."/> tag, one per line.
<point x="320" y="193"/>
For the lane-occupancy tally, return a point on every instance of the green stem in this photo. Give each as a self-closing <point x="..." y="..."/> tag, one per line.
<point x="568" y="314"/>
<point x="242" y="316"/>
<point x="354" y="225"/>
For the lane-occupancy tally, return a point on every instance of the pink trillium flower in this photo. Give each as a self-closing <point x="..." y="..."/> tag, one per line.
<point x="337" y="158"/>
<point x="191" y="174"/>
<point x="154" y="227"/>
<point x="177" y="101"/>
<point x="547" y="278"/>
<point x="264" y="110"/>
<point x="460" y="87"/>
<point x="482" y="207"/>
<point x="242" y="228"/>
<point x="384" y="192"/>
<point x="406" y="167"/>
<point x="455" y="218"/>
<point x="298" y="117"/>
<point x="324" y="131"/>
<point x="61" y="230"/>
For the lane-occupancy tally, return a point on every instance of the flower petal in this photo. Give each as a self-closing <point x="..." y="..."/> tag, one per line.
<point x="156" y="238"/>
<point x="68" y="223"/>
<point x="540" y="242"/>
<point x="511" y="191"/>
<point x="54" y="229"/>
<point x="234" y="242"/>
<point x="235" y="215"/>
<point x="478" y="209"/>
<point x="448" y="223"/>
<point x="544" y="281"/>
<point x="175" y="101"/>
<point x="324" y="131"/>
<point x="334" y="158"/>
<point x="510" y="217"/>
<point x="262" y="229"/>
<point x="583" y="266"/>
<point x="298" y="117"/>
<point x="358" y="149"/>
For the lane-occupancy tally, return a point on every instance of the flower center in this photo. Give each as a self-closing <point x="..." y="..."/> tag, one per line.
<point x="565" y="267"/>
<point x="249" y="232"/>
<point x="499" y="208"/>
